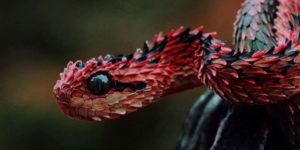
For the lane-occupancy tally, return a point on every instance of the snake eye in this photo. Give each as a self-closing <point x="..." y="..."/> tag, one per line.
<point x="99" y="83"/>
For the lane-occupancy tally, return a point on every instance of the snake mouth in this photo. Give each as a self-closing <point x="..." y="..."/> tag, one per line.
<point x="63" y="102"/>
<point x="83" y="113"/>
<point x="75" y="113"/>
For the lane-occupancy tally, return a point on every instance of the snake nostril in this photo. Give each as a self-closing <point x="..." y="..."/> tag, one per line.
<point x="61" y="97"/>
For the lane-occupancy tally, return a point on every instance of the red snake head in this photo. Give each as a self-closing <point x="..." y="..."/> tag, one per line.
<point x="106" y="88"/>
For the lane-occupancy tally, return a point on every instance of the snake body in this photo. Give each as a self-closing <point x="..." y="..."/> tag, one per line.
<point x="261" y="70"/>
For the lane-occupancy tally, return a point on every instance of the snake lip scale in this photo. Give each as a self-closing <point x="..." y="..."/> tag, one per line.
<point x="262" y="69"/>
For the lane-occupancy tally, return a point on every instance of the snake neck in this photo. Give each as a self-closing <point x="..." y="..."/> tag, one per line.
<point x="174" y="59"/>
<point x="185" y="59"/>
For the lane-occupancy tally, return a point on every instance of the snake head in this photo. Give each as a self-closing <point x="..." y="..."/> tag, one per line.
<point x="106" y="88"/>
<point x="111" y="86"/>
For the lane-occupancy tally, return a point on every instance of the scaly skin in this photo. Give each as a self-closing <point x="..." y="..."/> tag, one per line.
<point x="255" y="21"/>
<point x="262" y="70"/>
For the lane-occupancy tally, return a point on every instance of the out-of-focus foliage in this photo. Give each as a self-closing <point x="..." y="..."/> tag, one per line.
<point x="39" y="37"/>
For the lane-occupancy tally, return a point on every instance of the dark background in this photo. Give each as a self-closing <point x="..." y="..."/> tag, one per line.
<point x="38" y="38"/>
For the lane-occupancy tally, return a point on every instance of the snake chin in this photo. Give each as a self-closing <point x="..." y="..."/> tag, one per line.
<point x="100" y="108"/>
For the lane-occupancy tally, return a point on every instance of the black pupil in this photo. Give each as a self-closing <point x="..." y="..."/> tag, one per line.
<point x="99" y="83"/>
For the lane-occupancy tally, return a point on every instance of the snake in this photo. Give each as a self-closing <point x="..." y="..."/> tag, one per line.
<point x="261" y="69"/>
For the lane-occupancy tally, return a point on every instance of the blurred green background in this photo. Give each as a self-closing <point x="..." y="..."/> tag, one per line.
<point x="38" y="38"/>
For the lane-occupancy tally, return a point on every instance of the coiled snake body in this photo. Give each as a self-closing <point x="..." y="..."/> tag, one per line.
<point x="262" y="70"/>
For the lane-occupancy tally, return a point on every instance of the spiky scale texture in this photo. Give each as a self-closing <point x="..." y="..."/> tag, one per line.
<point x="186" y="58"/>
<point x="263" y="69"/>
<point x="281" y="121"/>
<point x="254" y="26"/>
